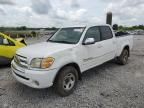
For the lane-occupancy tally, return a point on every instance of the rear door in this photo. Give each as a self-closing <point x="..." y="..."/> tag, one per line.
<point x="108" y="43"/>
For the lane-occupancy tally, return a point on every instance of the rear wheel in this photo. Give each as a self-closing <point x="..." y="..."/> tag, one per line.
<point x="123" y="58"/>
<point x="66" y="81"/>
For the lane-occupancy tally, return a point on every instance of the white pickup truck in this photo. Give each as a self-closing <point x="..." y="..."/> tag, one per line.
<point x="62" y="59"/>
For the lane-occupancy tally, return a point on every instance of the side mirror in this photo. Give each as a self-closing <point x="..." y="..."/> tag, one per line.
<point x="5" y="42"/>
<point x="89" y="41"/>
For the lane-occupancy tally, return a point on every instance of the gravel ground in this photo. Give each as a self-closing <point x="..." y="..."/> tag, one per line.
<point x="106" y="86"/>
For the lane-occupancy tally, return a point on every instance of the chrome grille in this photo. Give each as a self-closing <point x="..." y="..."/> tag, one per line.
<point x="21" y="61"/>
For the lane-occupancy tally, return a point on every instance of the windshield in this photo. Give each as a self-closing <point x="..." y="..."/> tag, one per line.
<point x="68" y="35"/>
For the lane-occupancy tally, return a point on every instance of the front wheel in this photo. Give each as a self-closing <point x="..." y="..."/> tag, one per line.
<point x="123" y="58"/>
<point x="66" y="81"/>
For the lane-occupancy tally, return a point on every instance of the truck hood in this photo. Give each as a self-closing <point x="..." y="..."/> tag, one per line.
<point x="43" y="49"/>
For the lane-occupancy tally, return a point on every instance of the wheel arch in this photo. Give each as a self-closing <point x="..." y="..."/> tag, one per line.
<point x="75" y="65"/>
<point x="128" y="48"/>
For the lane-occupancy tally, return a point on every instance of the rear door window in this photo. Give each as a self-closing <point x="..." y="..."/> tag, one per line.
<point x="106" y="32"/>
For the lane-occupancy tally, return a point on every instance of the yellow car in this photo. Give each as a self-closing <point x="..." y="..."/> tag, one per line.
<point x="8" y="48"/>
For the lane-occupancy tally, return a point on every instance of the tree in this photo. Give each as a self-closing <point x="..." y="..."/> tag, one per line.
<point x="33" y="33"/>
<point x="22" y="28"/>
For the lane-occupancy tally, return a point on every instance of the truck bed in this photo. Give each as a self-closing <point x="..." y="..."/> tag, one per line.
<point x="122" y="41"/>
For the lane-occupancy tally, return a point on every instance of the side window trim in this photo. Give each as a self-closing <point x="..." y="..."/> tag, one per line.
<point x="100" y="33"/>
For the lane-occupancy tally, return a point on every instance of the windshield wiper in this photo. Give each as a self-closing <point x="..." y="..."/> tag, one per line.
<point x="66" y="42"/>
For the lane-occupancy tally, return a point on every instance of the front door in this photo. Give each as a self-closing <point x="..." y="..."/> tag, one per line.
<point x="93" y="53"/>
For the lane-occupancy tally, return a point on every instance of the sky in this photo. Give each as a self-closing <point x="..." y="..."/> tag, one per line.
<point x="59" y="13"/>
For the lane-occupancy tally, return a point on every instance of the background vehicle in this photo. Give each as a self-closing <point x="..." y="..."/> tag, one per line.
<point x="67" y="54"/>
<point x="8" y="48"/>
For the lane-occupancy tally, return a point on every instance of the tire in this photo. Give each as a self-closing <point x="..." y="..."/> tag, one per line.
<point x="5" y="61"/>
<point x="66" y="81"/>
<point x="123" y="58"/>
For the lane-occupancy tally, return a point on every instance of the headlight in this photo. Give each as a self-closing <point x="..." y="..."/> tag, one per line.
<point x="36" y="63"/>
<point x="42" y="63"/>
<point x="47" y="62"/>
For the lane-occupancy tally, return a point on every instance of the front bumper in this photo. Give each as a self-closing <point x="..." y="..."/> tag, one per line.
<point x="33" y="78"/>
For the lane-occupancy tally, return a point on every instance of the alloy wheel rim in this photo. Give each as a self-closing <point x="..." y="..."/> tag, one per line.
<point x="69" y="81"/>
<point x="125" y="57"/>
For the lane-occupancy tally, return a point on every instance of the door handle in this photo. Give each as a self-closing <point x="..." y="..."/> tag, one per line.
<point x="100" y="46"/>
<point x="114" y="42"/>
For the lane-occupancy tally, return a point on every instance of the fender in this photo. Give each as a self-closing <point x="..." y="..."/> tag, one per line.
<point x="122" y="47"/>
<point x="63" y="61"/>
